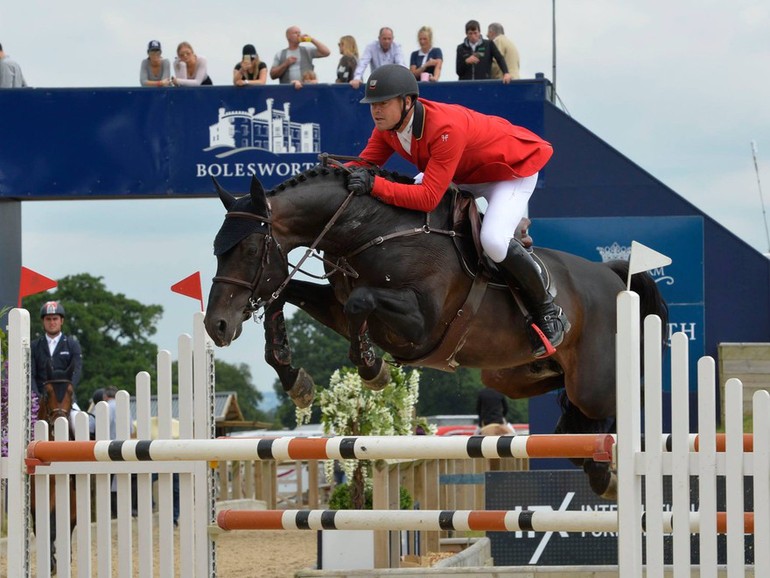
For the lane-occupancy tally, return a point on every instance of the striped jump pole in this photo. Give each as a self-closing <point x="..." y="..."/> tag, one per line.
<point x="721" y="442"/>
<point x="595" y="446"/>
<point x="443" y="520"/>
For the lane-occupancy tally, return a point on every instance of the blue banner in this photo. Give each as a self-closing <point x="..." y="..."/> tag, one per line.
<point x="681" y="283"/>
<point x="106" y="143"/>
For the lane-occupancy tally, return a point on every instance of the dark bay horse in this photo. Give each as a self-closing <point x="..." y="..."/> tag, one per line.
<point x="55" y="401"/>
<point x="397" y="280"/>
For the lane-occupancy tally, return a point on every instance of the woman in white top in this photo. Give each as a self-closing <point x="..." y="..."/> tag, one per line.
<point x="189" y="67"/>
<point x="155" y="70"/>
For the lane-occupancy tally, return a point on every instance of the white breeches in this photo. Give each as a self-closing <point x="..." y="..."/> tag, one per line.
<point x="507" y="204"/>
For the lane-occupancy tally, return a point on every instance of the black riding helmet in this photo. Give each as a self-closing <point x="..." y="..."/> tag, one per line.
<point x="51" y="308"/>
<point x="391" y="81"/>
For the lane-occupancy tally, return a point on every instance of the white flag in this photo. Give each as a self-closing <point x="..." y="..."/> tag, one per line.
<point x="643" y="259"/>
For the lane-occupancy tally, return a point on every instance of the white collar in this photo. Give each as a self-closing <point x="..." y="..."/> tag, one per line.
<point x="405" y="136"/>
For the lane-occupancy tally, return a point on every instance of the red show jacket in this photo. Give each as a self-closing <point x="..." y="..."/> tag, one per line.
<point x="454" y="143"/>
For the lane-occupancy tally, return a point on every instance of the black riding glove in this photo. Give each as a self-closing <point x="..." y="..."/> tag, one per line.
<point x="360" y="182"/>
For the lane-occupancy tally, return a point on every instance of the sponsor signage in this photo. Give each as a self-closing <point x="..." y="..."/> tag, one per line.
<point x="681" y="283"/>
<point x="102" y="143"/>
<point x="568" y="491"/>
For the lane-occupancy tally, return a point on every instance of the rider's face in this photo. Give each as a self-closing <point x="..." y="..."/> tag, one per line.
<point x="52" y="324"/>
<point x="386" y="114"/>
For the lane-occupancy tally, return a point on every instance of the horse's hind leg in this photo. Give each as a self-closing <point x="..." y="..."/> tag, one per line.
<point x="601" y="478"/>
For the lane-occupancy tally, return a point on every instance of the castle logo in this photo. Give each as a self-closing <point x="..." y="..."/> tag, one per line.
<point x="271" y="130"/>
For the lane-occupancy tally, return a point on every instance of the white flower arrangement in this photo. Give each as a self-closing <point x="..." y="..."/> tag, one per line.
<point x="349" y="408"/>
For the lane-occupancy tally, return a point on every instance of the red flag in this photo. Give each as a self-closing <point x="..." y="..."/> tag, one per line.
<point x="190" y="287"/>
<point x="31" y="283"/>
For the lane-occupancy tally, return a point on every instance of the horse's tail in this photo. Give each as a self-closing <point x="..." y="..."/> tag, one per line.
<point x="650" y="300"/>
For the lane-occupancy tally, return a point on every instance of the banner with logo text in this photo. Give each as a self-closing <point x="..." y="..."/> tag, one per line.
<point x="114" y="142"/>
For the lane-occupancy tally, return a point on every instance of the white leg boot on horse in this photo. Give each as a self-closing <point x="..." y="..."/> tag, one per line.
<point x="522" y="275"/>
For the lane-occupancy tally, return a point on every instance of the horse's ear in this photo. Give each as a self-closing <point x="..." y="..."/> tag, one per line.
<point x="227" y="199"/>
<point x="258" y="197"/>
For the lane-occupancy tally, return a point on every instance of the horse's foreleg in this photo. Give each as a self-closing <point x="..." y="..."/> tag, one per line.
<point x="297" y="383"/>
<point x="320" y="302"/>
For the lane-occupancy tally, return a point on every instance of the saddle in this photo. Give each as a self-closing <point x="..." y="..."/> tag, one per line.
<point x="466" y="226"/>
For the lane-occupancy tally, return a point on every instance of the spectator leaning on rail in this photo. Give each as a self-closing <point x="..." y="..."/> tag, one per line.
<point x="507" y="48"/>
<point x="486" y="155"/>
<point x="10" y="72"/>
<point x="155" y="70"/>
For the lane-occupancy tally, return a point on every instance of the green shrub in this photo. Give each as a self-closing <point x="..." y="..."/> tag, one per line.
<point x="341" y="499"/>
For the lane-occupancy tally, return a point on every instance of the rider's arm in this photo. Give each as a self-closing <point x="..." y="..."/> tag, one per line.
<point x="445" y="150"/>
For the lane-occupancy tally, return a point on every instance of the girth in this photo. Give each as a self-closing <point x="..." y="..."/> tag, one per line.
<point x="466" y="222"/>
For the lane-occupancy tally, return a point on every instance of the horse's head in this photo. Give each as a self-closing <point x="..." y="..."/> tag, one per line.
<point x="57" y="396"/>
<point x="250" y="264"/>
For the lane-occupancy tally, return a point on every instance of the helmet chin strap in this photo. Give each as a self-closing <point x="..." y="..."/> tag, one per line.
<point x="404" y="112"/>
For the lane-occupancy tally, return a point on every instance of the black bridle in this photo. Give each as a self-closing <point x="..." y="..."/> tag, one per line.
<point x="252" y="285"/>
<point x="51" y="414"/>
<point x="256" y="304"/>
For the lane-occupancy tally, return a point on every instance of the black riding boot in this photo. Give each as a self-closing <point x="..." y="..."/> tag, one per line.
<point x="522" y="275"/>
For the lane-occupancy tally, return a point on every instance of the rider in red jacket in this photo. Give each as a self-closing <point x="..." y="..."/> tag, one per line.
<point x="486" y="155"/>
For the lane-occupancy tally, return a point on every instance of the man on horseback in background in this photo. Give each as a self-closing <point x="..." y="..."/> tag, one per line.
<point x="487" y="155"/>
<point x="55" y="351"/>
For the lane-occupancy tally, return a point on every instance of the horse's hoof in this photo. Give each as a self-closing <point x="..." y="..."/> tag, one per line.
<point x="602" y="480"/>
<point x="611" y="493"/>
<point x="379" y="381"/>
<point x="302" y="392"/>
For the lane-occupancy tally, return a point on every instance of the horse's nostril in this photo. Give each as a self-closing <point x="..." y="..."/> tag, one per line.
<point x="221" y="327"/>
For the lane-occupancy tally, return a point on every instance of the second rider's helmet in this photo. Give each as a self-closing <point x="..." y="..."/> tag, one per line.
<point x="52" y="308"/>
<point x="389" y="81"/>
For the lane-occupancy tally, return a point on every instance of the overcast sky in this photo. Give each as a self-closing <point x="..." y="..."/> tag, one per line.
<point x="681" y="87"/>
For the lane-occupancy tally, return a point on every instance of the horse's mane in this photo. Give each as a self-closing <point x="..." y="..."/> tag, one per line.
<point x="336" y="172"/>
<point x="385" y="214"/>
